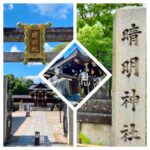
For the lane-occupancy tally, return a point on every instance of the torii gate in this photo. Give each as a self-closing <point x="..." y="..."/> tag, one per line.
<point x="53" y="34"/>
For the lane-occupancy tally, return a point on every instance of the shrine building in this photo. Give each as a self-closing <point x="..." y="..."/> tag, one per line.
<point x="40" y="95"/>
<point x="82" y="71"/>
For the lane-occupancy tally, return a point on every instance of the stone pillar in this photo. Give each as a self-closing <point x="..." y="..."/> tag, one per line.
<point x="5" y="109"/>
<point x="129" y="77"/>
<point x="70" y="126"/>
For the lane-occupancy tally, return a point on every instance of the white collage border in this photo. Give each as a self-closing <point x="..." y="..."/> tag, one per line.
<point x="146" y="2"/>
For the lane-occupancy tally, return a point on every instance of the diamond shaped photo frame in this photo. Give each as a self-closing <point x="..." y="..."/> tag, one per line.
<point x="71" y="76"/>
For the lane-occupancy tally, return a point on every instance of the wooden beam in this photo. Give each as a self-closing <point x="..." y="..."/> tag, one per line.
<point x="48" y="74"/>
<point x="19" y="56"/>
<point x="54" y="34"/>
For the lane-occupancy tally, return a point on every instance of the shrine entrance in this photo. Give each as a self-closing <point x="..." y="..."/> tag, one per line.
<point x="42" y="95"/>
<point x="39" y="101"/>
<point x="39" y="95"/>
<point x="19" y="130"/>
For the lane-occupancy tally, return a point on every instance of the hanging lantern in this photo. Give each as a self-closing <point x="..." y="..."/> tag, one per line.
<point x="34" y="97"/>
<point x="92" y="71"/>
<point x="45" y="96"/>
<point x="76" y="60"/>
<point x="93" y="64"/>
<point x="73" y="71"/>
<point x="86" y="67"/>
<point x="84" y="76"/>
<point x="76" y="73"/>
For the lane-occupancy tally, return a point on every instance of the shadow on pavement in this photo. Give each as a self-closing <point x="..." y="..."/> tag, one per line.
<point x="17" y="122"/>
<point x="16" y="141"/>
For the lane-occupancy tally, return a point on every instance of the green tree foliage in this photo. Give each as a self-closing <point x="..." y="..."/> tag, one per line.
<point x="92" y="37"/>
<point x="18" y="85"/>
<point x="60" y="47"/>
<point x="95" y="26"/>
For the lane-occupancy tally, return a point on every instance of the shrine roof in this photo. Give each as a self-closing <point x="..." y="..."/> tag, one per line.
<point x="75" y="61"/>
<point x="74" y="54"/>
<point x="39" y="85"/>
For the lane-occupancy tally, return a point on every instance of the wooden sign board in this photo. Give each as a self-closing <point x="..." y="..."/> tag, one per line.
<point x="34" y="42"/>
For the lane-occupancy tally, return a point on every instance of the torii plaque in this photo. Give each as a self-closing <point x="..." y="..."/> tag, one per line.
<point x="34" y="41"/>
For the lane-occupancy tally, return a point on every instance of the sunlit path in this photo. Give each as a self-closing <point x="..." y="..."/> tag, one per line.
<point x="46" y="122"/>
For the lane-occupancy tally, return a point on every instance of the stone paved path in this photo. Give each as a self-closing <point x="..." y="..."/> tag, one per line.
<point x="46" y="122"/>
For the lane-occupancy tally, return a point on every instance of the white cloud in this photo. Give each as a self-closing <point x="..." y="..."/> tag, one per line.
<point x="10" y="6"/>
<point x="14" y="49"/>
<point x="34" y="64"/>
<point x="57" y="11"/>
<point x="36" y="79"/>
<point x="47" y="47"/>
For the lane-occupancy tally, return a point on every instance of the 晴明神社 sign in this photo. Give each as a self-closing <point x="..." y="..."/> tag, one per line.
<point x="129" y="77"/>
<point x="34" y="41"/>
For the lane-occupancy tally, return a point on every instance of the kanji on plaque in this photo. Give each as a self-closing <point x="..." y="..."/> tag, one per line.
<point x="34" y="43"/>
<point x="131" y="34"/>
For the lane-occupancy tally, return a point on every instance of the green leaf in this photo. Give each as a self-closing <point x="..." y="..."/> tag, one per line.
<point x="84" y="139"/>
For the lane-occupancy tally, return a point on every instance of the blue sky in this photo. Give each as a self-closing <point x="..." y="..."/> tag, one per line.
<point x="60" y="15"/>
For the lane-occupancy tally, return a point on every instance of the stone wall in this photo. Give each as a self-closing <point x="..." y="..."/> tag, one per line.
<point x="94" y="121"/>
<point x="99" y="134"/>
